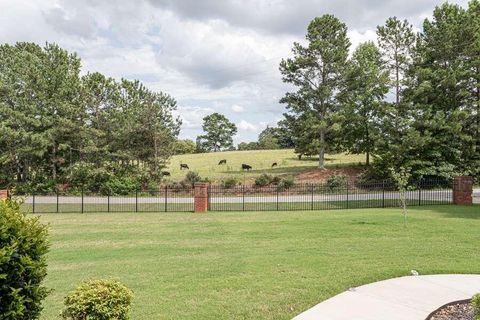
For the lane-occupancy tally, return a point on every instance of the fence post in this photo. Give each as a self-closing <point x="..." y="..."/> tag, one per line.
<point x="33" y="203"/>
<point x="136" y="199"/>
<point x="57" y="201"/>
<point x="82" y="199"/>
<point x="312" y="191"/>
<point x="463" y="190"/>
<point x="243" y="197"/>
<point x="420" y="192"/>
<point x="347" y="194"/>
<point x="108" y="201"/>
<point x="383" y="193"/>
<point x="201" y="197"/>
<point x="209" y="191"/>
<point x="166" y="197"/>
<point x="4" y="194"/>
<point x="277" y="198"/>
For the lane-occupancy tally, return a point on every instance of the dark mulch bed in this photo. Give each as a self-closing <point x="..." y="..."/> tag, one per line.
<point x="456" y="311"/>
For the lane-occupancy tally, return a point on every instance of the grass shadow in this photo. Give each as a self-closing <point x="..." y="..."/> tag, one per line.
<point x="454" y="211"/>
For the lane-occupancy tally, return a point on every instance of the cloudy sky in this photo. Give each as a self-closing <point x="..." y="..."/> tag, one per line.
<point x="211" y="55"/>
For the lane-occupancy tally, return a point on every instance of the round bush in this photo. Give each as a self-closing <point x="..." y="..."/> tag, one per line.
<point x="23" y="246"/>
<point x="103" y="299"/>
<point x="230" y="183"/>
<point x="336" y="183"/>
<point x="263" y="180"/>
<point x="286" y="183"/>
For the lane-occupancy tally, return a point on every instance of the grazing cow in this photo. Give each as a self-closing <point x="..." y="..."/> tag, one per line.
<point x="274" y="164"/>
<point x="224" y="161"/>
<point x="184" y="166"/>
<point x="166" y="173"/>
<point x="246" y="167"/>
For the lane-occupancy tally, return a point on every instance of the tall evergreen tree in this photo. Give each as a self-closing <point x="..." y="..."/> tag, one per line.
<point x="316" y="71"/>
<point x="396" y="40"/>
<point x="440" y="97"/>
<point x="365" y="87"/>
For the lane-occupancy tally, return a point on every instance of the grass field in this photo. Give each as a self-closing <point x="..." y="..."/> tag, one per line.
<point x="206" y="164"/>
<point x="253" y="265"/>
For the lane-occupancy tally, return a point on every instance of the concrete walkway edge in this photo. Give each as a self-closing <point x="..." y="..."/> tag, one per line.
<point x="404" y="298"/>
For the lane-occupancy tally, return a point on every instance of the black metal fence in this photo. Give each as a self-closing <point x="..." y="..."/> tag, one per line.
<point x="164" y="199"/>
<point x="380" y="194"/>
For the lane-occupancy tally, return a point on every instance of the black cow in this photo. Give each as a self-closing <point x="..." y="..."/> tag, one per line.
<point x="166" y="173"/>
<point x="274" y="164"/>
<point x="246" y="167"/>
<point x="224" y="161"/>
<point x="184" y="166"/>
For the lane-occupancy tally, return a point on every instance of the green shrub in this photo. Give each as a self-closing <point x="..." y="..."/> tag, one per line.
<point x="191" y="178"/>
<point x="275" y="180"/>
<point x="337" y="182"/>
<point x="263" y="180"/>
<point x="119" y="186"/>
<point x="286" y="183"/>
<point x="102" y="299"/>
<point x="476" y="305"/>
<point x="230" y="183"/>
<point x="23" y="267"/>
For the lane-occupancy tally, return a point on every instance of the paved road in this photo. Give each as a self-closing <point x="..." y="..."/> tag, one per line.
<point x="443" y="195"/>
<point x="405" y="298"/>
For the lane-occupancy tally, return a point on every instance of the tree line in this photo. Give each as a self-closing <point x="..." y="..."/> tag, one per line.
<point x="59" y="127"/>
<point x="410" y="100"/>
<point x="413" y="101"/>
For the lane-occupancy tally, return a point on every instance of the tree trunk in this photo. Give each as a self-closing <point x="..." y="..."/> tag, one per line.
<point x="54" y="162"/>
<point x="321" y="153"/>
<point x="155" y="168"/>
<point x="478" y="112"/>
<point x="367" y="140"/>
<point x="397" y="86"/>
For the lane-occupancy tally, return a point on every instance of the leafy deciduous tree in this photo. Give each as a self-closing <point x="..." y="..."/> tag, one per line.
<point x="219" y="132"/>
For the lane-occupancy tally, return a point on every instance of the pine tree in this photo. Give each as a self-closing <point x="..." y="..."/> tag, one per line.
<point x="316" y="70"/>
<point x="364" y="89"/>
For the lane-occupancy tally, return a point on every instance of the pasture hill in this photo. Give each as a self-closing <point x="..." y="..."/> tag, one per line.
<point x="288" y="164"/>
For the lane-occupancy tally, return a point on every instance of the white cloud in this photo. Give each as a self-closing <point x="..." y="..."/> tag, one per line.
<point x="192" y="117"/>
<point x="238" y="109"/>
<point x="212" y="56"/>
<point x="248" y="126"/>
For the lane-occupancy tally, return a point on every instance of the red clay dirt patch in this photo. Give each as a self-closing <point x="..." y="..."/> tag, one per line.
<point x="319" y="175"/>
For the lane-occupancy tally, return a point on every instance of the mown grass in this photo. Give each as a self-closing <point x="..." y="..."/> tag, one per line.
<point x="253" y="265"/>
<point x="206" y="164"/>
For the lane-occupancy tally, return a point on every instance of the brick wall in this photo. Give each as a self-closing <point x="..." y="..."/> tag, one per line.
<point x="201" y="197"/>
<point x="462" y="190"/>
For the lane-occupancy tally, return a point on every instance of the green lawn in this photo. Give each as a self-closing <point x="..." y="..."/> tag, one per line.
<point x="253" y="265"/>
<point x="261" y="160"/>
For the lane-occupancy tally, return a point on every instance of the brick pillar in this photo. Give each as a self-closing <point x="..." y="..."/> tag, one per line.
<point x="462" y="190"/>
<point x="4" y="194"/>
<point x="201" y="197"/>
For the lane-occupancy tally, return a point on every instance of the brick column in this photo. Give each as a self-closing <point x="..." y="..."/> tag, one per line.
<point x="201" y="197"/>
<point x="462" y="190"/>
<point x="4" y="194"/>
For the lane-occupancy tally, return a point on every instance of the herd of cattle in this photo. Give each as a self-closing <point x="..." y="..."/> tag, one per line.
<point x="245" y="167"/>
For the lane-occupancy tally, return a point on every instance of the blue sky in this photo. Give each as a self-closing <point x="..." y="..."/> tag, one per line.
<point x="211" y="55"/>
